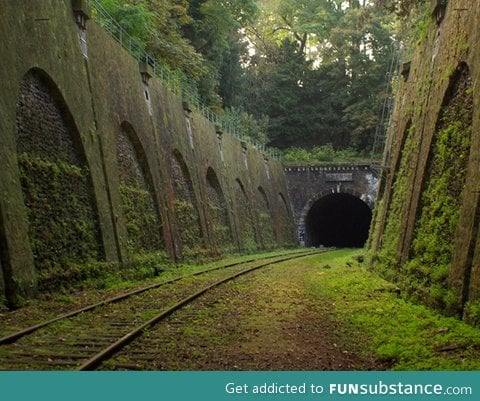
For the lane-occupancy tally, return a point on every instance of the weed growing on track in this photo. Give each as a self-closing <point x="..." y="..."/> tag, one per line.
<point x="148" y="269"/>
<point x="403" y="335"/>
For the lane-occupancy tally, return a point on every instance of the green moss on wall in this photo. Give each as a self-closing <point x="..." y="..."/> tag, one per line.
<point x="265" y="220"/>
<point x="142" y="219"/>
<point x="188" y="220"/>
<point x="386" y="261"/>
<point x="424" y="276"/>
<point x="218" y="214"/>
<point x="221" y="228"/>
<point x="63" y="227"/>
<point x="285" y="227"/>
<point x="266" y="230"/>
<point x="433" y="243"/>
<point x="143" y="226"/>
<point x="244" y="211"/>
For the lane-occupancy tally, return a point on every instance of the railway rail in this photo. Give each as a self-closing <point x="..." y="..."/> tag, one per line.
<point x="84" y="338"/>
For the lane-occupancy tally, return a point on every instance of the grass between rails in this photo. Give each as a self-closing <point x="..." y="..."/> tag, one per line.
<point x="281" y="317"/>
<point x="142" y="272"/>
<point x="404" y="335"/>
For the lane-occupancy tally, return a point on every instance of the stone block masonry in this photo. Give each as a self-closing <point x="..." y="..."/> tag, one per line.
<point x="425" y="230"/>
<point x="101" y="163"/>
<point x="332" y="203"/>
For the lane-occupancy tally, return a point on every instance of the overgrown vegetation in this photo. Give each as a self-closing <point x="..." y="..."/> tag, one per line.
<point x="141" y="218"/>
<point x="111" y="279"/>
<point x="432" y="247"/>
<point x="186" y="210"/>
<point x="266" y="229"/>
<point x="325" y="153"/>
<point x="63" y="226"/>
<point x="403" y="335"/>
<point x="137" y="196"/>
<point x="290" y="73"/>
<point x="386" y="260"/>
<point x="220" y="226"/>
<point x="187" y="218"/>
<point x="424" y="275"/>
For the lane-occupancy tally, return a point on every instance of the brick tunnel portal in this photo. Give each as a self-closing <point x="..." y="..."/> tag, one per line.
<point x="340" y="220"/>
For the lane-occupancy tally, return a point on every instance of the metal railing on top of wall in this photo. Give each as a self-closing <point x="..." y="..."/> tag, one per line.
<point x="174" y="80"/>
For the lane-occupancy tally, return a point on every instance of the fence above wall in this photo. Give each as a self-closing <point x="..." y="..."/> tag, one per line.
<point x="176" y="81"/>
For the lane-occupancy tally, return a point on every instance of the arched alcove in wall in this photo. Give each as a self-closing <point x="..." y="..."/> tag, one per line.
<point x="56" y="182"/>
<point x="442" y="190"/>
<point x="244" y="217"/>
<point x="218" y="211"/>
<point x="139" y="203"/>
<point x="185" y="203"/>
<point x="265" y="219"/>
<point x="284" y="229"/>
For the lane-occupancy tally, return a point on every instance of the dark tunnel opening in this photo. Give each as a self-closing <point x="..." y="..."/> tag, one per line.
<point x="339" y="220"/>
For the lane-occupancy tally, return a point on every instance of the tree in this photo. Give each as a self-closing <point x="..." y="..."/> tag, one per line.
<point x="315" y="68"/>
<point x="215" y="32"/>
<point x="321" y="68"/>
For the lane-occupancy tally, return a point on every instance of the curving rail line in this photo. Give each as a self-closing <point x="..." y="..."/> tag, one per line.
<point x="76" y="340"/>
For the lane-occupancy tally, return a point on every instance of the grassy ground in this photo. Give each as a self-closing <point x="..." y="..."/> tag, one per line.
<point x="322" y="312"/>
<point x="406" y="336"/>
<point x="141" y="273"/>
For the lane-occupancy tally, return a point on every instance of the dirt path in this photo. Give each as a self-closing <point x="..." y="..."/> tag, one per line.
<point x="263" y="321"/>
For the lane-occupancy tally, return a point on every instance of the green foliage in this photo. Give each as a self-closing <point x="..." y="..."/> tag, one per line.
<point x="187" y="220"/>
<point x="472" y="313"/>
<point x="135" y="18"/>
<point x="247" y="125"/>
<point x="143" y="224"/>
<point x="433" y="246"/>
<point x="403" y="335"/>
<point x="403" y="8"/>
<point x="63" y="226"/>
<point x="318" y="71"/>
<point x="305" y="72"/>
<point x="386" y="259"/>
<point x="322" y="154"/>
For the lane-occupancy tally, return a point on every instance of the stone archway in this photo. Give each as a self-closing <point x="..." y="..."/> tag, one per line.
<point x="339" y="219"/>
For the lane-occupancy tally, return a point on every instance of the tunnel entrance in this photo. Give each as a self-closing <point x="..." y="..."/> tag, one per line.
<point x="339" y="220"/>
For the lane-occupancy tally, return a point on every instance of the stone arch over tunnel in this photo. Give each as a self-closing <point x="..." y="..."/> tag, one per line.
<point x="338" y="220"/>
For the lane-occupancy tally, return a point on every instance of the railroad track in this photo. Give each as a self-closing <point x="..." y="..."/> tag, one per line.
<point x="85" y="338"/>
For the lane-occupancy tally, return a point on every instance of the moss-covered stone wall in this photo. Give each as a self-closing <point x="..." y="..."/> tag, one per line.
<point x="99" y="166"/>
<point x="425" y="230"/>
